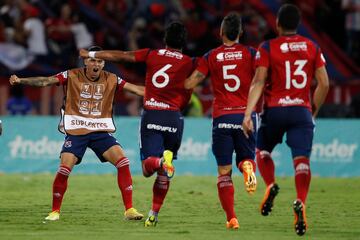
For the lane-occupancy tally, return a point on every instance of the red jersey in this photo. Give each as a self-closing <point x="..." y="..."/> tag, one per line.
<point x="166" y="71"/>
<point x="231" y="70"/>
<point x="292" y="61"/>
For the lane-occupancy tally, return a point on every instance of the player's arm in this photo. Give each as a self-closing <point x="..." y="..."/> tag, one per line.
<point x="109" y="55"/>
<point x="195" y="78"/>
<point x="321" y="90"/>
<point x="34" y="81"/>
<point x="255" y="92"/>
<point x="138" y="90"/>
<point x="0" y="127"/>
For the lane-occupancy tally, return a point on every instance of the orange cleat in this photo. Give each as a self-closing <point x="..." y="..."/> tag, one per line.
<point x="232" y="224"/>
<point x="249" y="177"/>
<point x="268" y="201"/>
<point x="300" y="217"/>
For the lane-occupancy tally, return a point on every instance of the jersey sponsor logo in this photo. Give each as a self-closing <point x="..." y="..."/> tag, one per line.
<point x="167" y="53"/>
<point x="229" y="56"/>
<point x="154" y="103"/>
<point x="288" y="101"/>
<point x="161" y="128"/>
<point x="293" y="47"/>
<point x="258" y="55"/>
<point x="229" y="126"/>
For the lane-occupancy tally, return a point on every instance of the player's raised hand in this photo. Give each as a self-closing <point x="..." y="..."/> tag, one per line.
<point x="83" y="53"/>
<point x="247" y="126"/>
<point x="14" y="80"/>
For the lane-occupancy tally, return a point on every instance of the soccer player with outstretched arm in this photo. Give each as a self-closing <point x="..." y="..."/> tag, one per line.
<point x="285" y="69"/>
<point x="230" y="67"/>
<point x="87" y="122"/>
<point x="162" y="123"/>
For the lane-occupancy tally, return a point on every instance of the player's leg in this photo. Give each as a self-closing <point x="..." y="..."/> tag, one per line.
<point x="73" y="149"/>
<point x="223" y="148"/>
<point x="245" y="154"/>
<point x="270" y="133"/>
<point x="299" y="139"/>
<point x="108" y="149"/>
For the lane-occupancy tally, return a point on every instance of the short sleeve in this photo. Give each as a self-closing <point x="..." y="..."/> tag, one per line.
<point x="262" y="55"/>
<point x="62" y="77"/>
<point x="203" y="64"/>
<point x="121" y="83"/>
<point x="320" y="59"/>
<point x="141" y="54"/>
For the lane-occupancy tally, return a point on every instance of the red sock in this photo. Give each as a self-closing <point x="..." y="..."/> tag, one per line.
<point x="151" y="165"/>
<point x="60" y="186"/>
<point x="266" y="166"/>
<point x="226" y="195"/>
<point x="250" y="160"/>
<point x="124" y="181"/>
<point x="302" y="177"/>
<point x="160" y="189"/>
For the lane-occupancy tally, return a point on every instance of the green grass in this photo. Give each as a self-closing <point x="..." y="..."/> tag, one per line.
<point x="92" y="209"/>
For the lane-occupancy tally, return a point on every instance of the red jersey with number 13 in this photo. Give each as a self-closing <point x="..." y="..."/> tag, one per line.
<point x="166" y="71"/>
<point x="292" y="61"/>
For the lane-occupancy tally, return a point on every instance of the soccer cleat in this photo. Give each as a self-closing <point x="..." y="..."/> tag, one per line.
<point x="232" y="224"/>
<point x="300" y="218"/>
<point x="53" y="216"/>
<point x="249" y="177"/>
<point x="151" y="221"/>
<point x="167" y="165"/>
<point x="268" y="201"/>
<point x="132" y="214"/>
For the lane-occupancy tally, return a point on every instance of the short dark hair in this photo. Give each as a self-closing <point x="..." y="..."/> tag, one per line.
<point x="94" y="49"/>
<point x="289" y="17"/>
<point x="231" y="26"/>
<point x="175" y="35"/>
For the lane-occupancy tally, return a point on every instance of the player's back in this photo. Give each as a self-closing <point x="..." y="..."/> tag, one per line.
<point x="166" y="71"/>
<point x="292" y="61"/>
<point x="231" y="71"/>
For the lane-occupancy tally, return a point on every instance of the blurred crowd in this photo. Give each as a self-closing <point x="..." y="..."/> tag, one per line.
<point x="42" y="37"/>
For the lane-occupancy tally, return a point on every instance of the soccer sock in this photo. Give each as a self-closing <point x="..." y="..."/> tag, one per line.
<point x="124" y="181"/>
<point x="160" y="189"/>
<point x="250" y="160"/>
<point x="60" y="186"/>
<point x="226" y="195"/>
<point x="302" y="177"/>
<point x="266" y="166"/>
<point x="151" y="165"/>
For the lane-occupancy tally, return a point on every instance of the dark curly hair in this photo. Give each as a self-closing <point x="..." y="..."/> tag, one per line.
<point x="231" y="26"/>
<point x="175" y="35"/>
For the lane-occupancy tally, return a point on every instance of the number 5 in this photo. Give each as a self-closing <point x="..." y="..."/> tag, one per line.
<point x="227" y="76"/>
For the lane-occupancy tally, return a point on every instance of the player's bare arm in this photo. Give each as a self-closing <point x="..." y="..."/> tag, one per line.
<point x="109" y="55"/>
<point x="138" y="90"/>
<point x="34" y="81"/>
<point x="195" y="78"/>
<point x="321" y="89"/>
<point x="256" y="89"/>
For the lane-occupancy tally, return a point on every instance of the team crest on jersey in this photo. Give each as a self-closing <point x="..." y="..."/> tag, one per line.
<point x="64" y="74"/>
<point x="293" y="47"/>
<point x="229" y="56"/>
<point x="258" y="55"/>
<point x="67" y="144"/>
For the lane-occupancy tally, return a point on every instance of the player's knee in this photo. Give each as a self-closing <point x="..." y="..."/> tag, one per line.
<point x="225" y="170"/>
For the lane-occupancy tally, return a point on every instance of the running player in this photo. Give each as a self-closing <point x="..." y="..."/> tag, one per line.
<point x="289" y="63"/>
<point x="230" y="67"/>
<point x="162" y="123"/>
<point x="87" y="122"/>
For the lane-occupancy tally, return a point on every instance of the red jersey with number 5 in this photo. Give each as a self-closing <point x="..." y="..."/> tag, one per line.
<point x="231" y="70"/>
<point x="166" y="71"/>
<point x="291" y="61"/>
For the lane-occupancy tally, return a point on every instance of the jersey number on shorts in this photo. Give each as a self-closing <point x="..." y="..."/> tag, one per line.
<point x="298" y="72"/>
<point x="233" y="77"/>
<point x="161" y="74"/>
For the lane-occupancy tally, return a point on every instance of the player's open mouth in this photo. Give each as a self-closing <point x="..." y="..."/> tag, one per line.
<point x="95" y="69"/>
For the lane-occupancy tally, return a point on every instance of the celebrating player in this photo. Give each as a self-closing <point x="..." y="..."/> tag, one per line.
<point x="289" y="63"/>
<point x="162" y="123"/>
<point x="87" y="122"/>
<point x="230" y="67"/>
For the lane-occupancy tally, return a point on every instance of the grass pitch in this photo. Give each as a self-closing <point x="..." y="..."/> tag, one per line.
<point x="92" y="209"/>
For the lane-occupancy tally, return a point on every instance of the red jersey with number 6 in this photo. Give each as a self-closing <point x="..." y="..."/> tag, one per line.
<point x="231" y="70"/>
<point x="292" y="61"/>
<point x="166" y="71"/>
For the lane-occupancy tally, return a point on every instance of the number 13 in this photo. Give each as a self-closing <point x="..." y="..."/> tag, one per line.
<point x="298" y="72"/>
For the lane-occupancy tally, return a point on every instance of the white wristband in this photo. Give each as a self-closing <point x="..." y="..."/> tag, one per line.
<point x="92" y="54"/>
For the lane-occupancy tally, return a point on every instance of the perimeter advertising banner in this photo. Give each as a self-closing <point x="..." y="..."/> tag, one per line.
<point x="32" y="145"/>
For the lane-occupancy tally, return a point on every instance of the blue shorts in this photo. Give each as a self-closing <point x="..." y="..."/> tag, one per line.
<point x="99" y="142"/>
<point x="296" y="122"/>
<point x="227" y="137"/>
<point x="160" y="130"/>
